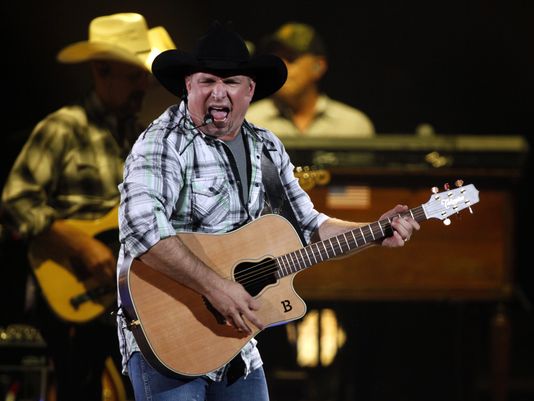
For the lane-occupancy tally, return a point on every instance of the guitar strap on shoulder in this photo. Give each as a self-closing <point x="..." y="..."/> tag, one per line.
<point x="275" y="196"/>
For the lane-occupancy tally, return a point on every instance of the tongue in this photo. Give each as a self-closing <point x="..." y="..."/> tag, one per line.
<point x="219" y="115"/>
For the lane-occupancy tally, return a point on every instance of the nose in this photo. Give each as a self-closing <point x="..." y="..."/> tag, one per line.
<point x="219" y="91"/>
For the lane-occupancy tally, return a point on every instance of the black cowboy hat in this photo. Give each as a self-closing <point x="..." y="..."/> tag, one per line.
<point x="224" y="53"/>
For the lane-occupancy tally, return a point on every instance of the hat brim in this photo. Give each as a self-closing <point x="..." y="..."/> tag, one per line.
<point x="86" y="51"/>
<point x="172" y="66"/>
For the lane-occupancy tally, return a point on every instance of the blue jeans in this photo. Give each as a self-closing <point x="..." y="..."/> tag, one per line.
<point x="150" y="385"/>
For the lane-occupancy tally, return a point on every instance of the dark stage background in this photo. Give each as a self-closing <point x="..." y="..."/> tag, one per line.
<point x="465" y="67"/>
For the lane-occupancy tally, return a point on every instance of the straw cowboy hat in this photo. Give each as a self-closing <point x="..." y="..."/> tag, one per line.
<point x="121" y="37"/>
<point x="224" y="53"/>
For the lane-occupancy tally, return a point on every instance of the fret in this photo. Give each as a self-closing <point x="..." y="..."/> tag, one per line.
<point x="280" y="261"/>
<point x="297" y="261"/>
<point x="325" y="250"/>
<point x="371" y="231"/>
<point x="339" y="243"/>
<point x="300" y="261"/>
<point x="331" y="246"/>
<point x="313" y="254"/>
<point x="308" y="256"/>
<point x="279" y="270"/>
<point x="381" y="230"/>
<point x="353" y="236"/>
<point x="294" y="262"/>
<point x="363" y="236"/>
<point x="377" y="230"/>
<point x="319" y="250"/>
<point x="302" y="258"/>
<point x="346" y="241"/>
<point x="290" y="263"/>
<point x="286" y="265"/>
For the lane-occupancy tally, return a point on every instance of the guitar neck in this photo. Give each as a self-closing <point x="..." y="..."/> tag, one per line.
<point x="341" y="244"/>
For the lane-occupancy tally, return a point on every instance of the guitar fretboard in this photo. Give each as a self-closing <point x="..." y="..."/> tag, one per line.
<point x="341" y="244"/>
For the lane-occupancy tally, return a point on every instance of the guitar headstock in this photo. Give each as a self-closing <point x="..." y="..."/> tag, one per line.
<point x="310" y="176"/>
<point x="441" y="205"/>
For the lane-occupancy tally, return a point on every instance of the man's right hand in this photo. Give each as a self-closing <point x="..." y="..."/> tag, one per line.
<point x="235" y="304"/>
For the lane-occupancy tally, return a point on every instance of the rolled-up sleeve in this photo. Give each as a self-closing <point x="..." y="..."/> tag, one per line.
<point x="151" y="186"/>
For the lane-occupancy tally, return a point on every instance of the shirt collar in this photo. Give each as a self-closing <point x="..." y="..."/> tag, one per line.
<point x="96" y="109"/>
<point x="321" y="107"/>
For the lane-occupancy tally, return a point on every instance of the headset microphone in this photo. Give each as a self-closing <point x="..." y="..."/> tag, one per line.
<point x="208" y="119"/>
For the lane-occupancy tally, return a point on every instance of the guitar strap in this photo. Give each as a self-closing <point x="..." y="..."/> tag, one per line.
<point x="275" y="196"/>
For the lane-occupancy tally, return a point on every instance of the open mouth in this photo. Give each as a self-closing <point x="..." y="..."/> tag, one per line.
<point x="218" y="113"/>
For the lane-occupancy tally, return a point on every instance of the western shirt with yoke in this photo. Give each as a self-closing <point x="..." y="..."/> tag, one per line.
<point x="178" y="179"/>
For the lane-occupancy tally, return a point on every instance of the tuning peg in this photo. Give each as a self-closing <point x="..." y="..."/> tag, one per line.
<point x="469" y="207"/>
<point x="322" y="177"/>
<point x="435" y="190"/>
<point x="447" y="222"/>
<point x="459" y="183"/>
<point x="446" y="186"/>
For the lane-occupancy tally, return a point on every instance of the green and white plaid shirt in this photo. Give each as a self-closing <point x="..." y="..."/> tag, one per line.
<point x="177" y="179"/>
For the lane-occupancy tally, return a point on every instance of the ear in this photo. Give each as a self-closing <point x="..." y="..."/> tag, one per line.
<point x="251" y="87"/>
<point x="187" y="80"/>
<point x="320" y="66"/>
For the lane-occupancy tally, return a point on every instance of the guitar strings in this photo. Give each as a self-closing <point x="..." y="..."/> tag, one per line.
<point x="257" y="273"/>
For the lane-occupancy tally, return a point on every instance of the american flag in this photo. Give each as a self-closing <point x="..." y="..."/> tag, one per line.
<point x="348" y="197"/>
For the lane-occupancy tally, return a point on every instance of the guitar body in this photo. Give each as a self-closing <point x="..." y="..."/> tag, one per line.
<point x="177" y="331"/>
<point x="71" y="294"/>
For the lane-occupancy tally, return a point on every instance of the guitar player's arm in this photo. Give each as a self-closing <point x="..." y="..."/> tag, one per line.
<point x="403" y="228"/>
<point x="96" y="257"/>
<point x="171" y="257"/>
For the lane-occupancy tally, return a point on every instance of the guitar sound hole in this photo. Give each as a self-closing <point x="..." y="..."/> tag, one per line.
<point x="255" y="276"/>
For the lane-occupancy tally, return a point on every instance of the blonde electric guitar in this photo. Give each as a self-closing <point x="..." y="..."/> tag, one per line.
<point x="180" y="332"/>
<point x="71" y="293"/>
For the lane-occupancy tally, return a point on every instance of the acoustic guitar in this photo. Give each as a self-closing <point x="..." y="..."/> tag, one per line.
<point x="180" y="332"/>
<point x="70" y="291"/>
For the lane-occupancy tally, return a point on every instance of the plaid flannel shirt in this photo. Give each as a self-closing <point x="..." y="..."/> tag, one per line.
<point x="177" y="179"/>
